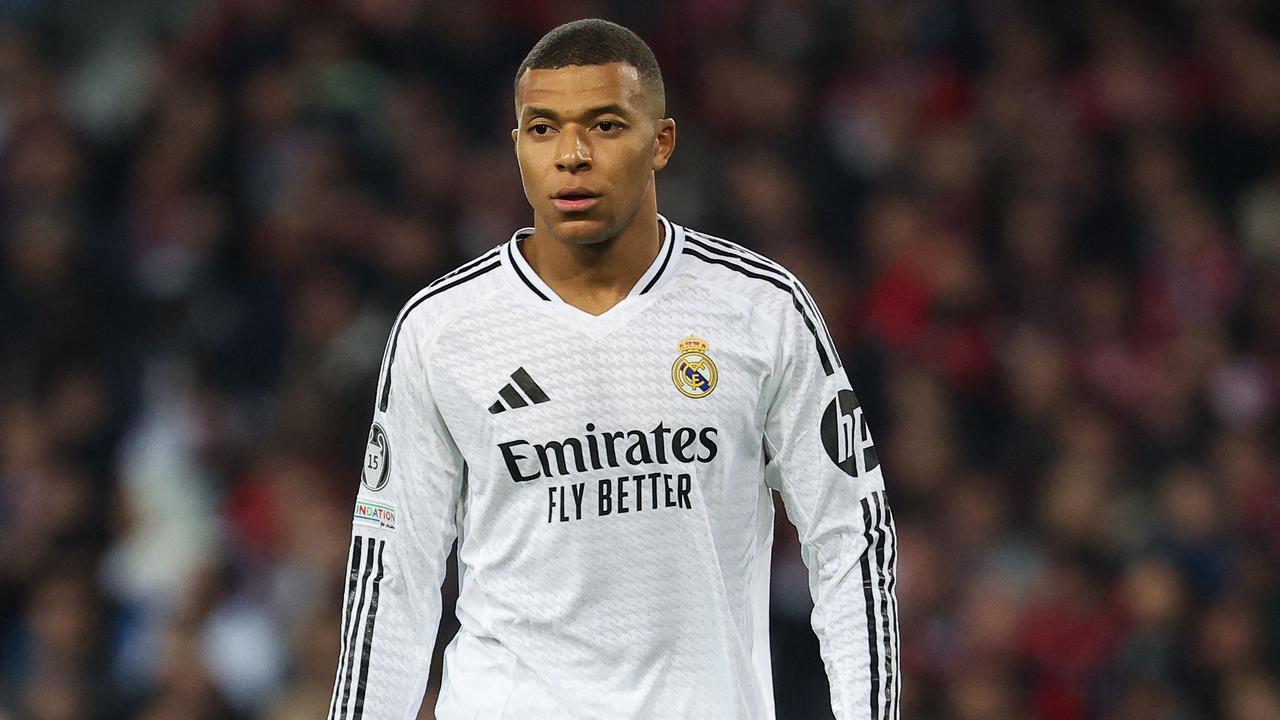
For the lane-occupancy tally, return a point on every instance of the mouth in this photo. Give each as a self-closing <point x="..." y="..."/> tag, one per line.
<point x="574" y="200"/>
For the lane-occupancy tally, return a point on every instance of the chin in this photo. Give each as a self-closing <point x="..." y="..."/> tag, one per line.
<point x="582" y="230"/>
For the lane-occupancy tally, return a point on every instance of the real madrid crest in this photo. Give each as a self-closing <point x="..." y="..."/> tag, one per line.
<point x="377" y="459"/>
<point x="694" y="373"/>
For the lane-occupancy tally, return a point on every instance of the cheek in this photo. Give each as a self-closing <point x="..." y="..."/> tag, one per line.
<point x="635" y="167"/>
<point x="530" y="169"/>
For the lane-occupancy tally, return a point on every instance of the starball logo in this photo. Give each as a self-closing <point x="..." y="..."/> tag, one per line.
<point x="528" y="461"/>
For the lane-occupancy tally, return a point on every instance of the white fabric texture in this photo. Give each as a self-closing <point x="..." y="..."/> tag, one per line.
<point x="614" y="529"/>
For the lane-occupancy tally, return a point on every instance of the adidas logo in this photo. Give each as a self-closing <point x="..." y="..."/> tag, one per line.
<point x="513" y="398"/>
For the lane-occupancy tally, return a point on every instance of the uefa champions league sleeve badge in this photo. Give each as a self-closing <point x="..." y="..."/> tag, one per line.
<point x="377" y="459"/>
<point x="693" y="373"/>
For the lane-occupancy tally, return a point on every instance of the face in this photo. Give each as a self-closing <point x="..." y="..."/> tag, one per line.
<point x="588" y="143"/>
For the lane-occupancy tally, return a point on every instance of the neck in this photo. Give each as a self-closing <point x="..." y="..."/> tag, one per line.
<point x="596" y="276"/>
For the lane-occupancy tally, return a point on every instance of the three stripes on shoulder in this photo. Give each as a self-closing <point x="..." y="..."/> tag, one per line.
<point x="718" y="251"/>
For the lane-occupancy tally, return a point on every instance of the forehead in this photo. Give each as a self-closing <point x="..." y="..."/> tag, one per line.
<point x="579" y="87"/>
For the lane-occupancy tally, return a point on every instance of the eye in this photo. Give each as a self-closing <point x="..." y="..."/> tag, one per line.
<point x="540" y="129"/>
<point x="609" y="125"/>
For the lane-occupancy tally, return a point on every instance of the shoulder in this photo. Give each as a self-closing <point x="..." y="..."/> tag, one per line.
<point x="431" y="308"/>
<point x="765" y="283"/>
<point x="442" y="299"/>
<point x="733" y="267"/>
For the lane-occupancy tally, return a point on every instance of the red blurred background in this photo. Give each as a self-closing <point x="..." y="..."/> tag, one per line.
<point x="1046" y="237"/>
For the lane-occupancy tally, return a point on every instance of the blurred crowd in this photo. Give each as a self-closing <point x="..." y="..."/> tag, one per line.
<point x="1045" y="235"/>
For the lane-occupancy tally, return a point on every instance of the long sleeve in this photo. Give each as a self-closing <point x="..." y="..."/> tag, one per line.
<point x="402" y="531"/>
<point x="822" y="461"/>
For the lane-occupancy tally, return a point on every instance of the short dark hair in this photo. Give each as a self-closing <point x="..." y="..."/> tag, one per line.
<point x="596" y="42"/>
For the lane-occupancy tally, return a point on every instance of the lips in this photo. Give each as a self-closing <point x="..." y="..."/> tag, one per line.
<point x="574" y="199"/>
<point x="579" y="205"/>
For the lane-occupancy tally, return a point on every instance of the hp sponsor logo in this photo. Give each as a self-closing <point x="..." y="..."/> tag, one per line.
<point x="845" y="435"/>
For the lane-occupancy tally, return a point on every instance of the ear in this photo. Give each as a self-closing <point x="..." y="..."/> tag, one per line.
<point x="664" y="143"/>
<point x="515" y="134"/>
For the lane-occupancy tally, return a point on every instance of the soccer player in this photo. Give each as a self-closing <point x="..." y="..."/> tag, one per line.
<point x="598" y="410"/>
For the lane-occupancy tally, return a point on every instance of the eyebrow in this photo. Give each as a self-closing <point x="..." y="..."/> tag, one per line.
<point x="611" y="109"/>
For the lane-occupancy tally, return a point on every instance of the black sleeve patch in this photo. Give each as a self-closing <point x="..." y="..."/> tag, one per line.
<point x="377" y="459"/>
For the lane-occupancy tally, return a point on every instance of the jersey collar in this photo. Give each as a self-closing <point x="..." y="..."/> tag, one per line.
<point x="662" y="269"/>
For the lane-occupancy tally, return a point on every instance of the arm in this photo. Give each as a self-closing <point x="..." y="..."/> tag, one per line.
<point x="823" y="463"/>
<point x="402" y="530"/>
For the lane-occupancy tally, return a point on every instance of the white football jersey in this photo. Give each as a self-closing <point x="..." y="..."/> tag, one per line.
<point x="608" y="481"/>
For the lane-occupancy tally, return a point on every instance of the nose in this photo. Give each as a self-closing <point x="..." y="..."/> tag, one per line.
<point x="574" y="154"/>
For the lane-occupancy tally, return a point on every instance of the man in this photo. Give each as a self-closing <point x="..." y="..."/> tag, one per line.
<point x="598" y="410"/>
